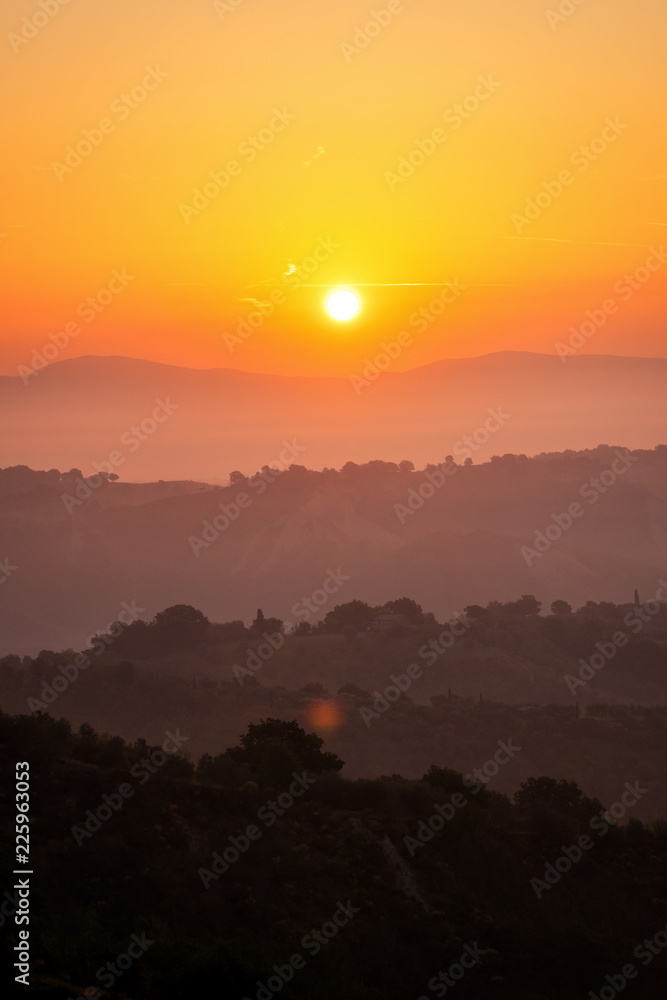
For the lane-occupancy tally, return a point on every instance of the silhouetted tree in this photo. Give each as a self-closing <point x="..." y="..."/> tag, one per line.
<point x="405" y="606"/>
<point x="475" y="611"/>
<point x="355" y="614"/>
<point x="314" y="689"/>
<point x="527" y="605"/>
<point x="274" y="763"/>
<point x="180" y="626"/>
<point x="304" y="746"/>
<point x="378" y="466"/>
<point x="266" y="626"/>
<point x="561" y="608"/>
<point x="562" y="796"/>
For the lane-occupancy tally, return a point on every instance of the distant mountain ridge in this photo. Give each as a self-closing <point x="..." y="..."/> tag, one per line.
<point x="201" y="424"/>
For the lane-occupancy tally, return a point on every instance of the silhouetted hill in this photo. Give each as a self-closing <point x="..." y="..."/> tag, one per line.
<point x="80" y="550"/>
<point x="464" y="685"/>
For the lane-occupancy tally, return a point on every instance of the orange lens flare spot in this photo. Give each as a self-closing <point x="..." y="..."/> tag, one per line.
<point x="325" y="715"/>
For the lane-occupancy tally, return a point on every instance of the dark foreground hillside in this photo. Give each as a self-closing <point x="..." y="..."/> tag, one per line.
<point x="249" y="877"/>
<point x="597" y="718"/>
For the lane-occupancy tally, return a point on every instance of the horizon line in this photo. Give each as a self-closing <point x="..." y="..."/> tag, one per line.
<point x="404" y="371"/>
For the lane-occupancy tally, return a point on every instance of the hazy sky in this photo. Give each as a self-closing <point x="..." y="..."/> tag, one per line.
<point x="334" y="108"/>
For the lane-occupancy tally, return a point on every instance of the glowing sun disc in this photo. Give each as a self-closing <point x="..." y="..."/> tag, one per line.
<point x="343" y="305"/>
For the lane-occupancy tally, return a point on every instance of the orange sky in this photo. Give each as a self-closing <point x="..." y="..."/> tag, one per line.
<point x="335" y="121"/>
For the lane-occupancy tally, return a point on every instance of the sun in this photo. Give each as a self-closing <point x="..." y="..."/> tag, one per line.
<point x="343" y="305"/>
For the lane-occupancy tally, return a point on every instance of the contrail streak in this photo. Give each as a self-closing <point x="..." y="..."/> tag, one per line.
<point x="586" y="243"/>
